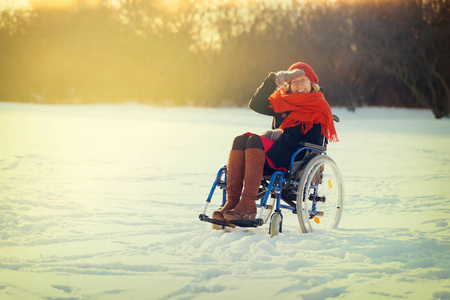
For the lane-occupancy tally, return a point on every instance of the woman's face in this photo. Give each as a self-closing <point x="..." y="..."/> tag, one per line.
<point x="300" y="85"/>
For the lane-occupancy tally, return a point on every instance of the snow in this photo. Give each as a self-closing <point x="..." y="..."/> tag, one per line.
<point x="102" y="202"/>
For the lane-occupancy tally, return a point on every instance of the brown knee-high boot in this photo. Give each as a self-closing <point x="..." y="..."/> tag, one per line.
<point x="235" y="178"/>
<point x="254" y="167"/>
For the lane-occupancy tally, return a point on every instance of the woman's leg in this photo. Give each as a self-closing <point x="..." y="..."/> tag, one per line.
<point x="255" y="158"/>
<point x="240" y="142"/>
<point x="235" y="176"/>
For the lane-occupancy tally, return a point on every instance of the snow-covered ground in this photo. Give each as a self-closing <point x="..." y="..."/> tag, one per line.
<point x="102" y="202"/>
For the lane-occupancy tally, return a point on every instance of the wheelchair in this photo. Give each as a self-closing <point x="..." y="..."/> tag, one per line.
<point x="312" y="188"/>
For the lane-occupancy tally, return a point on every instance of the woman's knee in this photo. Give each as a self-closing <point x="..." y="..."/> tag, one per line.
<point x="240" y="142"/>
<point x="254" y="142"/>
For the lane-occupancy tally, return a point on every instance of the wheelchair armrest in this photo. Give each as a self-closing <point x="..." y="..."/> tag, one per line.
<point x="305" y="147"/>
<point x="314" y="146"/>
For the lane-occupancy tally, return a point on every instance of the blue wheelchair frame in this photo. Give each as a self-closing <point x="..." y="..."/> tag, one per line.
<point x="278" y="180"/>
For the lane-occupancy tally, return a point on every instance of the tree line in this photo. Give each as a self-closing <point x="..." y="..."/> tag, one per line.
<point x="206" y="53"/>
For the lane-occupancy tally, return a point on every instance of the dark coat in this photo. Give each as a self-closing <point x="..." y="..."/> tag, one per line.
<point x="280" y="153"/>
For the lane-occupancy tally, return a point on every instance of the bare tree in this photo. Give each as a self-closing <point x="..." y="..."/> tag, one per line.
<point x="409" y="40"/>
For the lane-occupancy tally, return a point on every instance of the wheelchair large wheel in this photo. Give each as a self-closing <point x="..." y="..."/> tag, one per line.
<point x="320" y="195"/>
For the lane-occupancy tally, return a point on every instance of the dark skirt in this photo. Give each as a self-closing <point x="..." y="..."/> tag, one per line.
<point x="278" y="156"/>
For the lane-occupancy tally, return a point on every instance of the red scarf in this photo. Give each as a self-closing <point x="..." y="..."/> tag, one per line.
<point x="307" y="110"/>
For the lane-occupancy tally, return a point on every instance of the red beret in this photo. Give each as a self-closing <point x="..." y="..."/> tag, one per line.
<point x="309" y="72"/>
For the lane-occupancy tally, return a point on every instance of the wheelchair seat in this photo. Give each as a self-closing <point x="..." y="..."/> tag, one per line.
<point x="310" y="151"/>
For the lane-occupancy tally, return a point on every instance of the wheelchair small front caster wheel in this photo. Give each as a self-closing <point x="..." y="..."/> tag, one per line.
<point x="275" y="224"/>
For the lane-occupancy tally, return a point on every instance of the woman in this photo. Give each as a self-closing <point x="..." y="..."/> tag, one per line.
<point x="300" y="114"/>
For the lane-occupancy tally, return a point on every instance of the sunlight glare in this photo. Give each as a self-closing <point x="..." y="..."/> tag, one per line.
<point x="13" y="4"/>
<point x="62" y="4"/>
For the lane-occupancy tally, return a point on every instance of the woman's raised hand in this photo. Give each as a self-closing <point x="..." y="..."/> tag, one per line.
<point x="285" y="76"/>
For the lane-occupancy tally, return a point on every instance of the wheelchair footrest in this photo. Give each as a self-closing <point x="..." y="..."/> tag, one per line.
<point x="248" y="223"/>
<point x="205" y="218"/>
<point x="240" y="223"/>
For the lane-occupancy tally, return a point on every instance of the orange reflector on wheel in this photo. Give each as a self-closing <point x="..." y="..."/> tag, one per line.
<point x="330" y="184"/>
<point x="317" y="220"/>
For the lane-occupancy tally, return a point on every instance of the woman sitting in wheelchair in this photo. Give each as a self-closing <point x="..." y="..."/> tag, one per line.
<point x="300" y="114"/>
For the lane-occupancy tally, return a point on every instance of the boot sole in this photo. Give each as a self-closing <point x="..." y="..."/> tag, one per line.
<point x="218" y="218"/>
<point x="249" y="217"/>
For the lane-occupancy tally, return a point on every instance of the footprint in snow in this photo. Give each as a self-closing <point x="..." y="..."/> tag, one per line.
<point x="65" y="288"/>
<point x="11" y="166"/>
